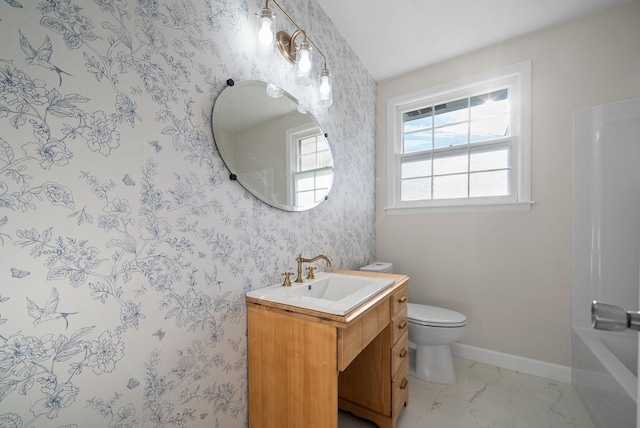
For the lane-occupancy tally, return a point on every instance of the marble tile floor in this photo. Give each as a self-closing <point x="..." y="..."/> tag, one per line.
<point x="487" y="396"/>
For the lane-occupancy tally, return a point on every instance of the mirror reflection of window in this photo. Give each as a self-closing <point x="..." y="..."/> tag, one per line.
<point x="277" y="153"/>
<point x="312" y="170"/>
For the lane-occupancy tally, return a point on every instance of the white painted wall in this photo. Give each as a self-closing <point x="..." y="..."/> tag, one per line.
<point x="510" y="273"/>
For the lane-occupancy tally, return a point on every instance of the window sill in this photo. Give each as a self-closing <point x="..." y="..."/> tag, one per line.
<point x="462" y="208"/>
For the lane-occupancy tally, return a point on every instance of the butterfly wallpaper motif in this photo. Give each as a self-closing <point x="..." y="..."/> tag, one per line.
<point x="125" y="249"/>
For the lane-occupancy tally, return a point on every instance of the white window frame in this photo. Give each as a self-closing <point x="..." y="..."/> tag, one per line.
<point x="293" y="135"/>
<point x="518" y="78"/>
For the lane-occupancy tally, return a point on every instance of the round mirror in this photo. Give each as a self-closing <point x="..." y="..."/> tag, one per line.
<point x="277" y="153"/>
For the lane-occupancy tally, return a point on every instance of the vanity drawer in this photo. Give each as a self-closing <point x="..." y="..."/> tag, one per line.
<point x="398" y="325"/>
<point x="399" y="353"/>
<point x="353" y="339"/>
<point x="399" y="299"/>
<point x="400" y="390"/>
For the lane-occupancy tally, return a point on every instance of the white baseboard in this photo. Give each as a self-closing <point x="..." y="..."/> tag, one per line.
<point x="513" y="362"/>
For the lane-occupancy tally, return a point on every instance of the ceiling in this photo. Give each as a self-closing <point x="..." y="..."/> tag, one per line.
<point x="394" y="37"/>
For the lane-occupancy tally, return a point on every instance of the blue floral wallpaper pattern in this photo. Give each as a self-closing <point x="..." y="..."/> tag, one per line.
<point x="125" y="250"/>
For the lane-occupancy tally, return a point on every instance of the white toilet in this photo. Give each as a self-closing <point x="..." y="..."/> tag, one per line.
<point x="431" y="330"/>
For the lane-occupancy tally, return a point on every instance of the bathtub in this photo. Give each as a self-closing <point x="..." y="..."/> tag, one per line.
<point x="604" y="374"/>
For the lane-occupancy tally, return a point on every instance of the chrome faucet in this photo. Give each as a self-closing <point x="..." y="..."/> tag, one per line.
<point x="301" y="260"/>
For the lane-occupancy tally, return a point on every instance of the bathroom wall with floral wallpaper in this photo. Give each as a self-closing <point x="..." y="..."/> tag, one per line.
<point x="125" y="249"/>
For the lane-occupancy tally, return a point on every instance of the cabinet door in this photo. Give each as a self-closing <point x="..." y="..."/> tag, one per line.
<point x="293" y="377"/>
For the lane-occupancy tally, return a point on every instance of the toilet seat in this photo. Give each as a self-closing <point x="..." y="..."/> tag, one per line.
<point x="434" y="317"/>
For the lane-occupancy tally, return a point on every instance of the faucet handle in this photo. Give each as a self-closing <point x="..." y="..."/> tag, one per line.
<point x="287" y="279"/>
<point x="310" y="275"/>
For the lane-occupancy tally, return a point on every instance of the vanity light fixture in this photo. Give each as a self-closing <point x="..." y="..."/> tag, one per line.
<point x="303" y="62"/>
<point x="301" y="55"/>
<point x="266" y="33"/>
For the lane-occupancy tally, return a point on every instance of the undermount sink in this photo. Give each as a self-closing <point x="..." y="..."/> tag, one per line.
<point x="333" y="293"/>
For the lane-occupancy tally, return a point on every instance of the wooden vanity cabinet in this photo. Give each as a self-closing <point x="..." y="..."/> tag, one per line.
<point x="303" y="364"/>
<point x="375" y="386"/>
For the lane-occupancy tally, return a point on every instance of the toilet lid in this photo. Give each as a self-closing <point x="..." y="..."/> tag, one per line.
<point x="434" y="316"/>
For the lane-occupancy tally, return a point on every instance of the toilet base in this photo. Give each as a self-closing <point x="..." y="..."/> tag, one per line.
<point x="433" y="363"/>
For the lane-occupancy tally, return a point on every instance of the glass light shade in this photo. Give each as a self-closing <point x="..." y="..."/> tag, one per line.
<point x="303" y="64"/>
<point x="325" y="89"/>
<point x="266" y="33"/>
<point x="274" y="91"/>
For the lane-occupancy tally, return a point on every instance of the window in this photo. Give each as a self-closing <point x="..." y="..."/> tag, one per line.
<point x="462" y="146"/>
<point x="313" y="166"/>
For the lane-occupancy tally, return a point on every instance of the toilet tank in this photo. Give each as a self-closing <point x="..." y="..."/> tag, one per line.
<point x="380" y="267"/>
